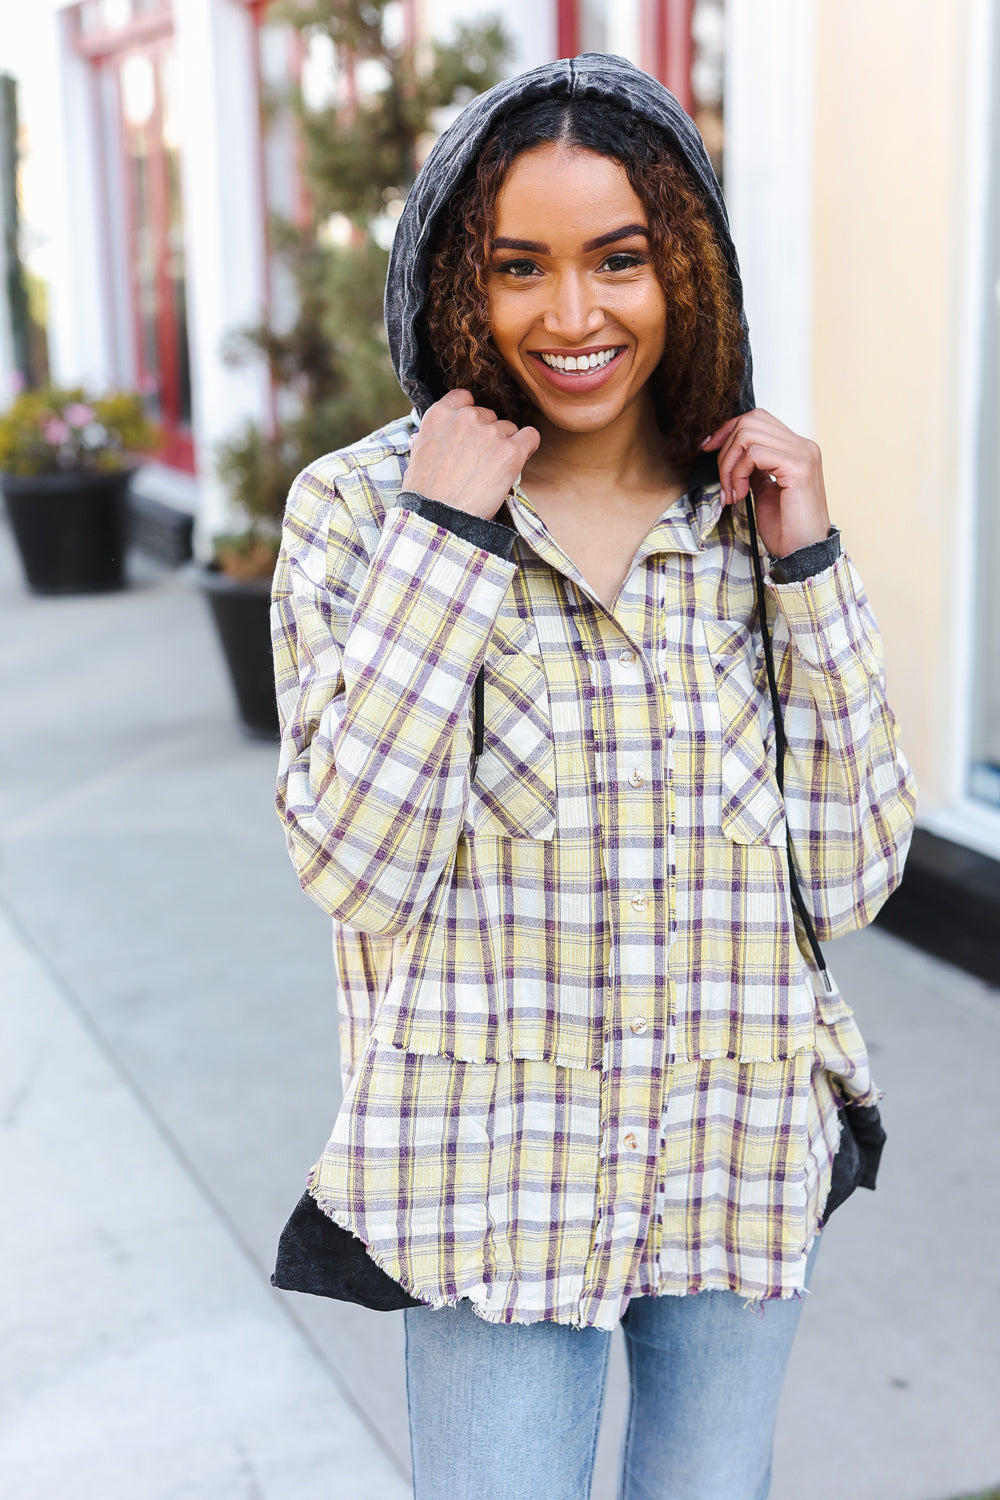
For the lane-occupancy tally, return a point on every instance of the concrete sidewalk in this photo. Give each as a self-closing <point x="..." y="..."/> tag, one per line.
<point x="169" y="1072"/>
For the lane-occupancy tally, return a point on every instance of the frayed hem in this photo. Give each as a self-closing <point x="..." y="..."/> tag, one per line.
<point x="385" y="1034"/>
<point x="432" y="1046"/>
<point x="755" y="1298"/>
<point x="570" y="1316"/>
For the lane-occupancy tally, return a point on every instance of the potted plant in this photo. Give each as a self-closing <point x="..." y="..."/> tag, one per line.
<point x="330" y="366"/>
<point x="237" y="583"/>
<point x="66" y="463"/>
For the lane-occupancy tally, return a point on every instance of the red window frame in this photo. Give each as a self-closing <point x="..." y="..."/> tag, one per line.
<point x="148" y="24"/>
<point x="666" y="41"/>
<point x="149" y="33"/>
<point x="567" y="28"/>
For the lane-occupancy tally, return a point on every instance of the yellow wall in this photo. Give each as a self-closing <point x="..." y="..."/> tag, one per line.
<point x="889" y="223"/>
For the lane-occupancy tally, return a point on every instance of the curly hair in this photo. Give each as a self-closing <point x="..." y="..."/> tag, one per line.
<point x="697" y="381"/>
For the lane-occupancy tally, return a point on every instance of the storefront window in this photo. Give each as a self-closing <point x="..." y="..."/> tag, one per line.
<point x="681" y="42"/>
<point x="155" y="230"/>
<point x="984" y="769"/>
<point x="101" y="18"/>
<point x="98" y="16"/>
<point x="708" y="23"/>
<point x="130" y="45"/>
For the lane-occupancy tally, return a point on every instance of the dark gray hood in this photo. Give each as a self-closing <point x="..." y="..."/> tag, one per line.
<point x="595" y="75"/>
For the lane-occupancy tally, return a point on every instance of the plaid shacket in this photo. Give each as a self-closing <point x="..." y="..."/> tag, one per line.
<point x="584" y="1056"/>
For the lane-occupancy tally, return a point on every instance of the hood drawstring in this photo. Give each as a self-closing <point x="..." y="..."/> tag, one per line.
<point x="779" y="743"/>
<point x="478" y="722"/>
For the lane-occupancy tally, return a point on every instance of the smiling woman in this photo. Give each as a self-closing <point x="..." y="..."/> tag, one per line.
<point x="624" y="176"/>
<point x="575" y="322"/>
<point x="532" y="768"/>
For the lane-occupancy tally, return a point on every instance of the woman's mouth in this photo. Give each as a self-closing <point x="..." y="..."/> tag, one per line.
<point x="583" y="371"/>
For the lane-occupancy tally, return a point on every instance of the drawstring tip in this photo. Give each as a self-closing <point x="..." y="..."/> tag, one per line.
<point x="478" y="723"/>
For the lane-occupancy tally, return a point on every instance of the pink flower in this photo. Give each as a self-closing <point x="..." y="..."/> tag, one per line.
<point x="78" y="415"/>
<point x="55" y="432"/>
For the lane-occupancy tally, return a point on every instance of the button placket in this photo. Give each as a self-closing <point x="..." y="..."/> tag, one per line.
<point x="627" y="766"/>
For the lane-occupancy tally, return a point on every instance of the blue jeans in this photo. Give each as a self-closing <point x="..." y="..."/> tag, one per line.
<point x="511" y="1412"/>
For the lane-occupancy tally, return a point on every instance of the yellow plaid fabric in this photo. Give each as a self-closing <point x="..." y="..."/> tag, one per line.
<point x="585" y="1058"/>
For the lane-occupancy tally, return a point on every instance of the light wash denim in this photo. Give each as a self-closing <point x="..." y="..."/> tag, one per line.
<point x="511" y="1412"/>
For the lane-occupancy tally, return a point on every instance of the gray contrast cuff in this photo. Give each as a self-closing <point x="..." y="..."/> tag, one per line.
<point x="807" y="561"/>
<point x="491" y="536"/>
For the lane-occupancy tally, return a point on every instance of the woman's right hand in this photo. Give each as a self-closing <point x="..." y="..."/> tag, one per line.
<point x="465" y="457"/>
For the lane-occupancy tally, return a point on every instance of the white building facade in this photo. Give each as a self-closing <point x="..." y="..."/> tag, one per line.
<point x="861" y="169"/>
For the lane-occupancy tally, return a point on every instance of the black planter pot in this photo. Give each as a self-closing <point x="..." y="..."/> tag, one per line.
<point x="241" y="610"/>
<point x="70" y="529"/>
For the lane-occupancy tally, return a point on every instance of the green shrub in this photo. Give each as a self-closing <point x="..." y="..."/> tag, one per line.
<point x="330" y="367"/>
<point x="57" y="431"/>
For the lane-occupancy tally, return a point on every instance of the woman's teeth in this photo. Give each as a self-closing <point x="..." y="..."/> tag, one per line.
<point x="580" y="361"/>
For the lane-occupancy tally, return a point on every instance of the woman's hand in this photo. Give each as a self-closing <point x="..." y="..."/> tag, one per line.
<point x="785" y="472"/>
<point x="464" y="456"/>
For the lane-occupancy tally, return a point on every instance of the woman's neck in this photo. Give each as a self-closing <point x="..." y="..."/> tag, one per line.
<point x="599" y="493"/>
<point x="628" y="460"/>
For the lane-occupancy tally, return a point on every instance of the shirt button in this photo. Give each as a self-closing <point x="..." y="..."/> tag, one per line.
<point x="639" y="901"/>
<point x="630" y="1143"/>
<point x="627" y="658"/>
<point x="639" y="1025"/>
<point x="636" y="778"/>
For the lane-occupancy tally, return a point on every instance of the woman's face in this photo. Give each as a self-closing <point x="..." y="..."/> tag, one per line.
<point x="577" y="312"/>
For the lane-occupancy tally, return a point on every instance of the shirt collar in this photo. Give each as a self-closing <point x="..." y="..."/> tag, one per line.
<point x="685" y="526"/>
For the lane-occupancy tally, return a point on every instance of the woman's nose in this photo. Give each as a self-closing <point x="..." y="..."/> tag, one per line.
<point x="574" y="312"/>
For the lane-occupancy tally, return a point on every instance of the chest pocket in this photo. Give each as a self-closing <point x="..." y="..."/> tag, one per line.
<point x="514" y="793"/>
<point x="752" y="808"/>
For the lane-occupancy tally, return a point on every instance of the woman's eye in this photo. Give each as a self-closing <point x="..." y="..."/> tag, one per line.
<point x="519" y="269"/>
<point x="623" y="260"/>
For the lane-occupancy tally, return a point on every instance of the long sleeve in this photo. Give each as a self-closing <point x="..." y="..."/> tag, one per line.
<point x="849" y="792"/>
<point x="375" y="656"/>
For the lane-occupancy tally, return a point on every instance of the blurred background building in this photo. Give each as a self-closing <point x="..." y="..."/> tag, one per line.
<point x="859" y="148"/>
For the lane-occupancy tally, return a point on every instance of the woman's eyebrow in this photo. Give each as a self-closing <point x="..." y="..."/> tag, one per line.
<point x="536" y="247"/>
<point x="625" y="233"/>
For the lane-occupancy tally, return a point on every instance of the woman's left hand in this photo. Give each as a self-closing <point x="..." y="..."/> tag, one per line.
<point x="785" y="472"/>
